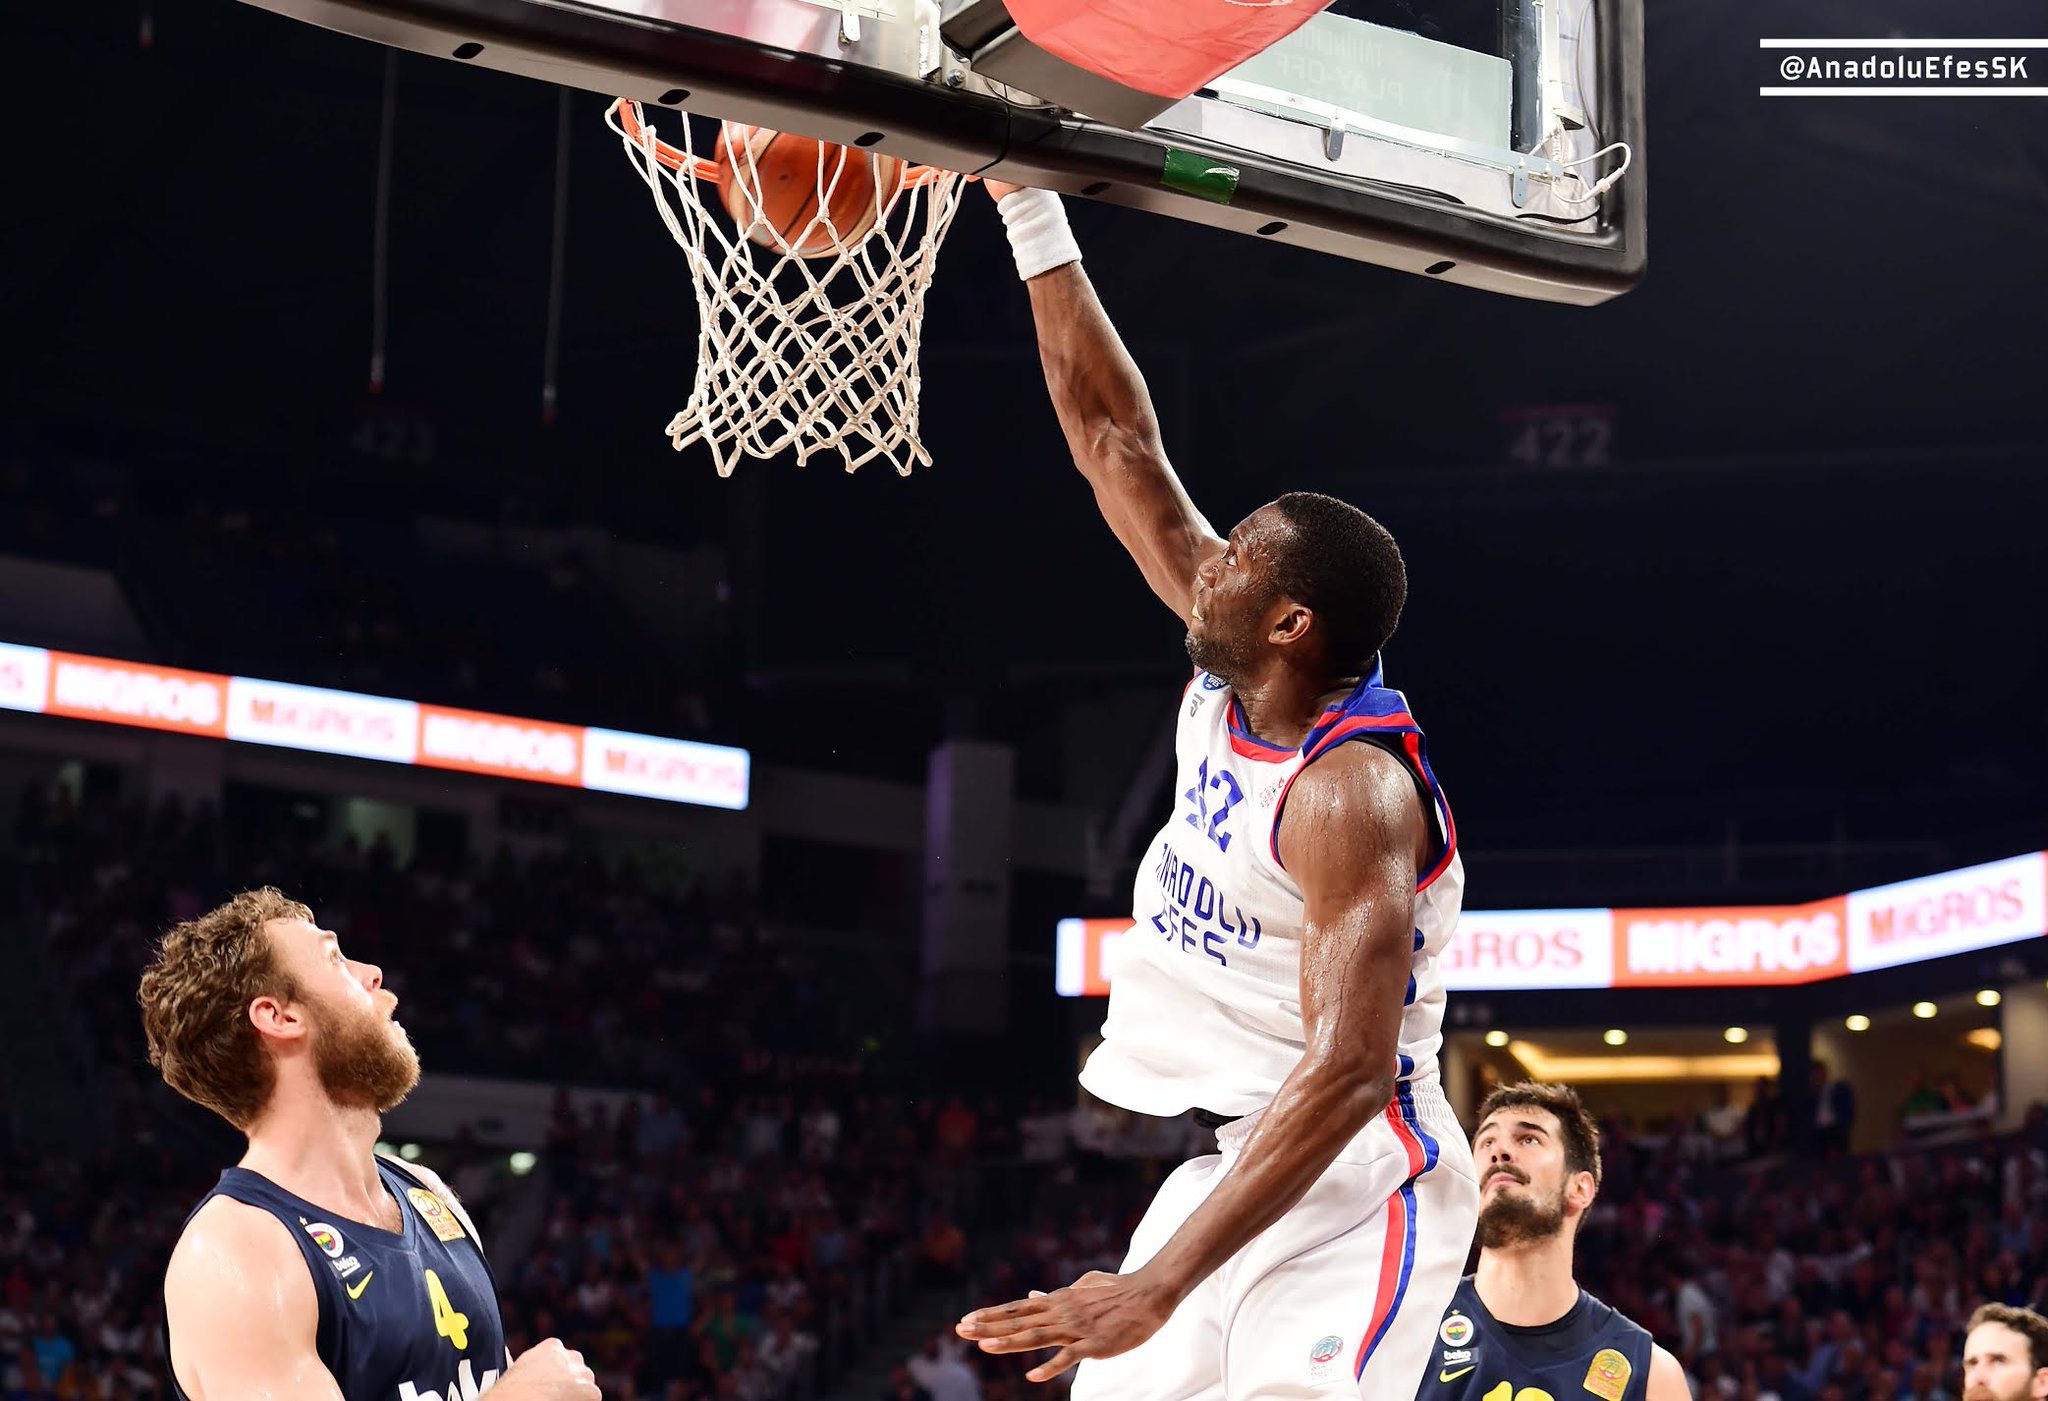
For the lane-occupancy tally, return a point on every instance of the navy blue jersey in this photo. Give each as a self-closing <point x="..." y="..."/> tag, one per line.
<point x="406" y="1315"/>
<point x="1590" y="1354"/>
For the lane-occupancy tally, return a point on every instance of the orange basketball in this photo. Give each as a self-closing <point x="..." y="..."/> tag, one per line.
<point x="796" y="195"/>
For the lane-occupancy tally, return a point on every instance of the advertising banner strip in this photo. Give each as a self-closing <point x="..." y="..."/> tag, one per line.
<point x="313" y="718"/>
<point x="1978" y="907"/>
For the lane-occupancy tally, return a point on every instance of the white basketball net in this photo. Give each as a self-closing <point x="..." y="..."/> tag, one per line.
<point x="813" y="355"/>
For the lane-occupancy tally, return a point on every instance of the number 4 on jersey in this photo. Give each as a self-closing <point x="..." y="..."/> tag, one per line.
<point x="447" y="1322"/>
<point x="1201" y="819"/>
<point x="1506" y="1392"/>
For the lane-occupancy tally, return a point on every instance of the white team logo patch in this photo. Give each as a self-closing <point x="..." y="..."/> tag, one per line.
<point x="1457" y="1330"/>
<point x="326" y="1237"/>
<point x="1323" y="1358"/>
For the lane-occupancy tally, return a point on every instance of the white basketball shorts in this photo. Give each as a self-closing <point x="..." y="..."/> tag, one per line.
<point x="1341" y="1297"/>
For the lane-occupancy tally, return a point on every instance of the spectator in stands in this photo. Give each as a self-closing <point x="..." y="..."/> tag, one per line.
<point x="1697" y="1325"/>
<point x="54" y="1351"/>
<point x="941" y="1371"/>
<point x="785" y="1349"/>
<point x="1834" y="1109"/>
<point x="1045" y="1132"/>
<point x="942" y="1255"/>
<point x="1760" y="1126"/>
<point x="1921" y="1099"/>
<point x="903" y="1387"/>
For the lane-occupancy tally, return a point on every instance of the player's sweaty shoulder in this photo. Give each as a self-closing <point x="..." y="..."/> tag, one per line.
<point x="229" y="1237"/>
<point x="240" y="1305"/>
<point x="1352" y="810"/>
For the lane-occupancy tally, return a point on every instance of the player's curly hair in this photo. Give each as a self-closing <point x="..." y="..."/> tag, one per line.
<point x="1346" y="567"/>
<point x="1575" y="1125"/>
<point x="195" y="999"/>
<point x="2028" y="1324"/>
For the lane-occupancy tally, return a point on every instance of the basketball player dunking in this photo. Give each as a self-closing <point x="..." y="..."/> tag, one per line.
<point x="1521" y="1329"/>
<point x="1281" y="978"/>
<point x="317" y="1268"/>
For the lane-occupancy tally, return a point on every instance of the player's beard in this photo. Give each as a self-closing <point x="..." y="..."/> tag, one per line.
<point x="1980" y="1392"/>
<point x="363" y="1058"/>
<point x="1227" y="658"/>
<point x="1515" y="1218"/>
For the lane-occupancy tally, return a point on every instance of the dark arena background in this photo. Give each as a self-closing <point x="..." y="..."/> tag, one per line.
<point x="756" y="849"/>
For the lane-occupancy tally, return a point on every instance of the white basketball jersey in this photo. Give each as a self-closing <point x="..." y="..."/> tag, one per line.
<point x="1205" y="994"/>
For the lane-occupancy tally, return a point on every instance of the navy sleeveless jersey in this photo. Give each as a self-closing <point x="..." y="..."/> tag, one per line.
<point x="1591" y="1354"/>
<point x="406" y="1315"/>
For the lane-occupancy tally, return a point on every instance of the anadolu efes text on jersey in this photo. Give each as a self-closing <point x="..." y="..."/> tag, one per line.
<point x="1205" y="1012"/>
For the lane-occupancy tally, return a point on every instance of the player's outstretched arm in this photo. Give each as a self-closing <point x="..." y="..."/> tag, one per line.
<point x="1353" y="835"/>
<point x="1106" y="412"/>
<point x="241" y="1309"/>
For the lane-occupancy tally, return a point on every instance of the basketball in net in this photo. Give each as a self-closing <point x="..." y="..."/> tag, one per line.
<point x="798" y="195"/>
<point x="810" y="263"/>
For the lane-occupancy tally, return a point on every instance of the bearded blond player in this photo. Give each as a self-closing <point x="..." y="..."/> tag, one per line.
<point x="317" y="1268"/>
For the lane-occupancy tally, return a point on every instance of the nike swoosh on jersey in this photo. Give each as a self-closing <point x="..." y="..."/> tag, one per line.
<point x="355" y="1291"/>
<point x="1440" y="1376"/>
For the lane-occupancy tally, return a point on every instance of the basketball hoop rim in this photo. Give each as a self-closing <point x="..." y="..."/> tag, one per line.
<point x="625" y="115"/>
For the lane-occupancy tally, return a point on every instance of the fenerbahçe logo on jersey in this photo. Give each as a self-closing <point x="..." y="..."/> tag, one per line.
<point x="324" y="1236"/>
<point x="1457" y="1331"/>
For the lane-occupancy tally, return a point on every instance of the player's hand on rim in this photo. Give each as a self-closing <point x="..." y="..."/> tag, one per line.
<point x="998" y="189"/>
<point x="1099" y="1315"/>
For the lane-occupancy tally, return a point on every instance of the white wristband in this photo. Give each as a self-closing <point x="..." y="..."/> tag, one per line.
<point x="1039" y="237"/>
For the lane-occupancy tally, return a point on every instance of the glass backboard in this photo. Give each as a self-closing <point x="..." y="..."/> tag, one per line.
<point x="1465" y="141"/>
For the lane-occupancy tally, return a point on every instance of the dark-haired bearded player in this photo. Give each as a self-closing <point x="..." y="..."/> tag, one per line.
<point x="1520" y="1327"/>
<point x="1281" y="977"/>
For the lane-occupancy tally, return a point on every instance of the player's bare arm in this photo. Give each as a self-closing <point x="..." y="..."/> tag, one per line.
<point x="1353" y="834"/>
<point x="241" y="1310"/>
<point x="1667" y="1378"/>
<point x="1106" y="412"/>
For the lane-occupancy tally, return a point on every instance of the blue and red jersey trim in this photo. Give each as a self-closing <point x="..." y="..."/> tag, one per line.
<point x="1397" y="1249"/>
<point x="1376" y="714"/>
<point x="1247" y="745"/>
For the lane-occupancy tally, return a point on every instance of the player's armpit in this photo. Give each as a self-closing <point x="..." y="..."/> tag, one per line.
<point x="243" y="1317"/>
<point x="1667" y="1378"/>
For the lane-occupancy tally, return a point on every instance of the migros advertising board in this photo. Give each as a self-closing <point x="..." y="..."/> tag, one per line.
<point x="394" y="731"/>
<point x="1978" y="907"/>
